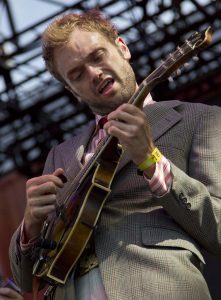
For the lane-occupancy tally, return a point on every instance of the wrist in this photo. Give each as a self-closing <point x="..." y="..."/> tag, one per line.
<point x="148" y="173"/>
<point x="150" y="161"/>
<point x="31" y="230"/>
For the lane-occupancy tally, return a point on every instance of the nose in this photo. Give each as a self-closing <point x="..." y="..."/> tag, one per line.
<point x="95" y="73"/>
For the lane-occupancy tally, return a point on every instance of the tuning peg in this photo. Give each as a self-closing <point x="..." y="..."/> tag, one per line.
<point x="178" y="72"/>
<point x="172" y="57"/>
<point x="186" y="65"/>
<point x="180" y="50"/>
<point x="170" y="79"/>
<point x="195" y="58"/>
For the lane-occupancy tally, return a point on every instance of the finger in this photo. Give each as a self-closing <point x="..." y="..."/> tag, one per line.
<point x="127" y="108"/>
<point x="42" y="212"/>
<point x="60" y="174"/>
<point x="120" y="129"/>
<point x="125" y="137"/>
<point x="123" y="117"/>
<point x="43" y="189"/>
<point x="43" y="179"/>
<point x="126" y="118"/>
<point x="44" y="200"/>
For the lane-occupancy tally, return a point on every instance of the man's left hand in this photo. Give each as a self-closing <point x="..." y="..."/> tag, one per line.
<point x="129" y="124"/>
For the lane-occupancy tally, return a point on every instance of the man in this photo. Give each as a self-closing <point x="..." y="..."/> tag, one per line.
<point x="161" y="211"/>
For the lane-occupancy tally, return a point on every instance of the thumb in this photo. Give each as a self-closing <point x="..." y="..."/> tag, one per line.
<point x="60" y="173"/>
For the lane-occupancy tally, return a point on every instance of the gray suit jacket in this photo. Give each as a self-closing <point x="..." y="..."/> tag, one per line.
<point x="148" y="247"/>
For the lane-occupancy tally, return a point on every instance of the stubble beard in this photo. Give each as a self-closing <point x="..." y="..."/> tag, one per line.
<point x="128" y="87"/>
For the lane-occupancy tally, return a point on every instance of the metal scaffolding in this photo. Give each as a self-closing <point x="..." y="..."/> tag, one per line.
<point x="36" y="112"/>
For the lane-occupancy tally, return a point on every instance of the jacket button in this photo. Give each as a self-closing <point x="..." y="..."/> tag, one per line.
<point x="181" y="195"/>
<point x="182" y="198"/>
<point x="188" y="205"/>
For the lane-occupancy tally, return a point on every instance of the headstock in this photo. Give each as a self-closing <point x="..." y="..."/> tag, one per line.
<point x="194" y="44"/>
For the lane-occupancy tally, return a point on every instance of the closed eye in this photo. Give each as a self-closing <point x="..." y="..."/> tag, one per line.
<point x="98" y="56"/>
<point x="77" y="76"/>
<point x="94" y="58"/>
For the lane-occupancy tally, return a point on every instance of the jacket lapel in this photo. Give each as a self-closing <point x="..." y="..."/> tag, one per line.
<point x="161" y="117"/>
<point x="80" y="143"/>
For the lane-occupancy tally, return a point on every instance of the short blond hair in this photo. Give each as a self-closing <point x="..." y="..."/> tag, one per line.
<point x="58" y="32"/>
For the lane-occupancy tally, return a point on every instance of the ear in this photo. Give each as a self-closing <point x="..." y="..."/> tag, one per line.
<point x="122" y="46"/>
<point x="76" y="95"/>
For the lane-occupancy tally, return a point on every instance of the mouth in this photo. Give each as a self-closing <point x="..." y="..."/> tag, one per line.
<point x="106" y="86"/>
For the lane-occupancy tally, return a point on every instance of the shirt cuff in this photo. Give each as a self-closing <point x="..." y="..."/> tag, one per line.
<point x="161" y="181"/>
<point x="25" y="244"/>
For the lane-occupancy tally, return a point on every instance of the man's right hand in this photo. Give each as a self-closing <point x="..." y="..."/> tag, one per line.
<point x="41" y="201"/>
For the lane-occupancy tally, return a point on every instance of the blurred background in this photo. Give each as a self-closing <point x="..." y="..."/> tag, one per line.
<point x="36" y="112"/>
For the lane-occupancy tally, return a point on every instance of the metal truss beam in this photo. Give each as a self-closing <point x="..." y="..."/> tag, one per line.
<point x="36" y="112"/>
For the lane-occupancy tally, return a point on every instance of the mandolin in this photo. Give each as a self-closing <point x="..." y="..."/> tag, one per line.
<point x="65" y="235"/>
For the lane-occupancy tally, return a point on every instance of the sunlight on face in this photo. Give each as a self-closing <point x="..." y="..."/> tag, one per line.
<point x="96" y="71"/>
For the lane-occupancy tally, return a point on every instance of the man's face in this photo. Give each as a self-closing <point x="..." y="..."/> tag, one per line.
<point x="96" y="71"/>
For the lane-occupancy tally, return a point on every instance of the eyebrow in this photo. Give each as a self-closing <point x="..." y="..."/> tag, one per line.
<point x="90" y="55"/>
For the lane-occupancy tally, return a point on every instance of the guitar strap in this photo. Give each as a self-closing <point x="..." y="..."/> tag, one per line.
<point x="35" y="287"/>
<point x="49" y="294"/>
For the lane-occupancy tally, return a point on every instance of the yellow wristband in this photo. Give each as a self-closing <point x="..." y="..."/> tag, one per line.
<point x="155" y="156"/>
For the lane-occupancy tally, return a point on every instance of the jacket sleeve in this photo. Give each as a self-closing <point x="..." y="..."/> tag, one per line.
<point x="194" y="201"/>
<point x="22" y="263"/>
